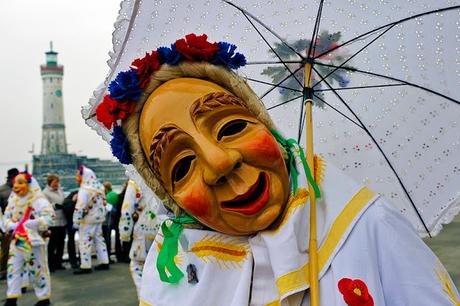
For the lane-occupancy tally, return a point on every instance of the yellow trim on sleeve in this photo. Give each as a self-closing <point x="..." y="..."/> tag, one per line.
<point x="300" y="278"/>
<point x="144" y="303"/>
<point x="274" y="303"/>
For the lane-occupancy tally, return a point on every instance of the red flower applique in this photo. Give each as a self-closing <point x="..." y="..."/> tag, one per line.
<point x="109" y="111"/>
<point x="196" y="47"/>
<point x="145" y="66"/>
<point x="355" y="292"/>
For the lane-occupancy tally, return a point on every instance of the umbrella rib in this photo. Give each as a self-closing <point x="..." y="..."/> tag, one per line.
<point x="272" y="62"/>
<point x="285" y="102"/>
<point x="361" y="87"/>
<point x="393" y="79"/>
<point x="271" y="47"/>
<point x="389" y="24"/>
<point x="246" y="13"/>
<point x="338" y="111"/>
<point x="381" y="151"/>
<point x="314" y="35"/>
<point x="271" y="84"/>
<point x="301" y="122"/>
<point x="280" y="82"/>
<point x="351" y="57"/>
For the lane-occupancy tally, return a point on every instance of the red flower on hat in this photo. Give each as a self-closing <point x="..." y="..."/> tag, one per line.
<point x="196" y="47"/>
<point x="145" y="66"/>
<point x="109" y="111"/>
<point x="355" y="292"/>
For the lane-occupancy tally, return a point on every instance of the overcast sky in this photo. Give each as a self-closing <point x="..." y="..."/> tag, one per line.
<point x="81" y="33"/>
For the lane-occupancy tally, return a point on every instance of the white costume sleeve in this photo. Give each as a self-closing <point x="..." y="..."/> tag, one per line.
<point x="126" y="224"/>
<point x="43" y="213"/>
<point x="82" y="203"/>
<point x="410" y="273"/>
<point x="9" y="215"/>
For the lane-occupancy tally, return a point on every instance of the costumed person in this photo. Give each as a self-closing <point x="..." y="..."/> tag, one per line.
<point x="28" y="216"/>
<point x="5" y="192"/>
<point x="138" y="222"/>
<point x="88" y="217"/>
<point x="204" y="143"/>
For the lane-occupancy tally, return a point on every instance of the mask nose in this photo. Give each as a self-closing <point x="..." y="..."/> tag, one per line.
<point x="219" y="162"/>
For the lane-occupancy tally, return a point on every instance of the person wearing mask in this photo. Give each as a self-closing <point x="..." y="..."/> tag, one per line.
<point x="140" y="224"/>
<point x="88" y="217"/>
<point x="55" y="196"/>
<point x="5" y="191"/>
<point x="28" y="216"/>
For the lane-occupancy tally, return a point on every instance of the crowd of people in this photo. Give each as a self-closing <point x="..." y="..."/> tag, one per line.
<point x="35" y="224"/>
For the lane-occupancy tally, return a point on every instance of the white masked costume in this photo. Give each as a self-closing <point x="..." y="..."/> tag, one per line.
<point x="28" y="254"/>
<point x="138" y="221"/>
<point x="89" y="214"/>
<point x="368" y="253"/>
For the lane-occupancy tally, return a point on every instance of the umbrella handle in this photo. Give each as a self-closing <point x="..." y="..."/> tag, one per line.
<point x="313" y="244"/>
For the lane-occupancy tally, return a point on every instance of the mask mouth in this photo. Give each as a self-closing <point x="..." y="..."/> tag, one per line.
<point x="253" y="200"/>
<point x="18" y="190"/>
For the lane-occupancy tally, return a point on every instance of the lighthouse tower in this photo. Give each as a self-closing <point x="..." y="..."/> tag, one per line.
<point x="53" y="128"/>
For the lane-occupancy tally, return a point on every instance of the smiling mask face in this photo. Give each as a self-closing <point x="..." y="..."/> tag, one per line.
<point x="216" y="160"/>
<point x="20" y="187"/>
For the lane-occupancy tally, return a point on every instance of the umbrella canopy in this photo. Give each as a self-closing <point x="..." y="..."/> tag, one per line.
<point x="384" y="82"/>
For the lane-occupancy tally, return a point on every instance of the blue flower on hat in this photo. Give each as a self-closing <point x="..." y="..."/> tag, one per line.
<point x="226" y="56"/>
<point x="125" y="87"/>
<point x="120" y="146"/>
<point x="169" y="56"/>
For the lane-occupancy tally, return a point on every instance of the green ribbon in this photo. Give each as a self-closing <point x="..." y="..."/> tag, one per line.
<point x="289" y="145"/>
<point x="165" y="260"/>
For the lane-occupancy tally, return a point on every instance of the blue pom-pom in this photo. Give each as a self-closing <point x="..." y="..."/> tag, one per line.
<point x="125" y="87"/>
<point x="226" y="56"/>
<point x="120" y="146"/>
<point x="169" y="56"/>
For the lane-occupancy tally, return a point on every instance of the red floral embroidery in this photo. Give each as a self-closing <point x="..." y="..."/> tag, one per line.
<point x="145" y="66"/>
<point x="196" y="47"/>
<point x="355" y="292"/>
<point x="109" y="111"/>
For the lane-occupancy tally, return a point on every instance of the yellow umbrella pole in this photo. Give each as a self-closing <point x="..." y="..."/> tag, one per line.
<point x="313" y="248"/>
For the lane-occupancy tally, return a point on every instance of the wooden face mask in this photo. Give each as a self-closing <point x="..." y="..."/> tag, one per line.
<point x="215" y="158"/>
<point x="20" y="186"/>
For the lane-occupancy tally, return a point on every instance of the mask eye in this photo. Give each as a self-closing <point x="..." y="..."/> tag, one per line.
<point x="181" y="168"/>
<point x="231" y="128"/>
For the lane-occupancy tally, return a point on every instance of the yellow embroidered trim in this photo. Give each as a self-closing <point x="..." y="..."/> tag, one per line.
<point x="144" y="303"/>
<point x="293" y="204"/>
<point x="96" y="191"/>
<point x="446" y="282"/>
<point x="320" y="166"/>
<point x="226" y="252"/>
<point x="274" y="303"/>
<point x="302" y="195"/>
<point x="300" y="278"/>
<point x="132" y="183"/>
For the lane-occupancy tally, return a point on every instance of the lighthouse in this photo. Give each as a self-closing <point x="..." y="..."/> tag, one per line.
<point x="54" y="157"/>
<point x="53" y="128"/>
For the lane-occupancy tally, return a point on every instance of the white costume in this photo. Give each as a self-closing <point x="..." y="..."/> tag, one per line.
<point x="89" y="214"/>
<point x="143" y="230"/>
<point x="364" y="244"/>
<point x="33" y="261"/>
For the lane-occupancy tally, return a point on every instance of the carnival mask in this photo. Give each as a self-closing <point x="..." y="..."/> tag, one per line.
<point x="213" y="156"/>
<point x="20" y="186"/>
<point x="78" y="177"/>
